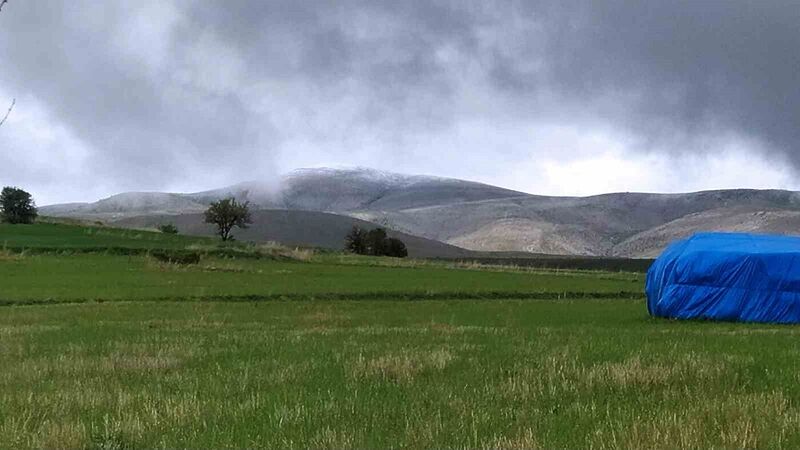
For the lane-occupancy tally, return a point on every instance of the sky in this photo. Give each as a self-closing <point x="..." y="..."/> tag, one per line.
<point x="554" y="97"/>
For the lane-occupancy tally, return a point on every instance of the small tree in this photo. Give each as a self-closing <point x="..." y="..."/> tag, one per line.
<point x="376" y="242"/>
<point x="168" y="228"/>
<point x="17" y="206"/>
<point x="395" y="247"/>
<point x="226" y="214"/>
<point x="356" y="241"/>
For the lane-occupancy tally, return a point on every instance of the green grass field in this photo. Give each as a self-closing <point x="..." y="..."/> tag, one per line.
<point x="294" y="350"/>
<point x="109" y="277"/>
<point x="366" y="374"/>
<point x="71" y="237"/>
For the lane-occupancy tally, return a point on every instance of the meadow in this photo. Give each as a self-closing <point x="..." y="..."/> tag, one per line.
<point x="295" y="349"/>
<point x="57" y="236"/>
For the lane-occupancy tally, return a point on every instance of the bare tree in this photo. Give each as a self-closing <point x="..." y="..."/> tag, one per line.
<point x="14" y="101"/>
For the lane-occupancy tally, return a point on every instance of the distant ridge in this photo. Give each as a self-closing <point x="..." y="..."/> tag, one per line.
<point x="473" y="215"/>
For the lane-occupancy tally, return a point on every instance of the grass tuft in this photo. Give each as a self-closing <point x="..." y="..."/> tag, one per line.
<point x="403" y="366"/>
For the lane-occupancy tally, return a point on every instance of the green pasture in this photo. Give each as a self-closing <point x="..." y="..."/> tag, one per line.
<point x="103" y="346"/>
<point x="391" y="374"/>
<point x="53" y="278"/>
<point x="62" y="236"/>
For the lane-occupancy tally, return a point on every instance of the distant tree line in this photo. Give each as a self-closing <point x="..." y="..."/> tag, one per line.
<point x="374" y="242"/>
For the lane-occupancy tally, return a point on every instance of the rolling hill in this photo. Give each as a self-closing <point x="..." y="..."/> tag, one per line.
<point x="610" y="224"/>
<point x="295" y="228"/>
<point x="461" y="214"/>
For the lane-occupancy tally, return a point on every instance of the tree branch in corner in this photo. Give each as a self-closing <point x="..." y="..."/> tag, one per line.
<point x="13" y="102"/>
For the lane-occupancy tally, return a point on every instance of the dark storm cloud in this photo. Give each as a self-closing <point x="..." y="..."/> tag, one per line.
<point x="683" y="68"/>
<point x="158" y="90"/>
<point x="387" y="49"/>
<point x="138" y="122"/>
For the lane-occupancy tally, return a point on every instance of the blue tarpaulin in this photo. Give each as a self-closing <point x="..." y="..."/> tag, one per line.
<point x="727" y="276"/>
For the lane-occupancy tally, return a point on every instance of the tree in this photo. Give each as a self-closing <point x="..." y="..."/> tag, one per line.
<point x="356" y="241"/>
<point x="376" y="242"/>
<point x="17" y="206"/>
<point x="226" y="214"/>
<point x="168" y="228"/>
<point x="396" y="248"/>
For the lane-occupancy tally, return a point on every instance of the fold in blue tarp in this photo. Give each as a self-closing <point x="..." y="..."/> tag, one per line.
<point x="727" y="276"/>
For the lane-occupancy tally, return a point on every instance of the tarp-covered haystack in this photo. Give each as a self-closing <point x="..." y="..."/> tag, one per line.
<point x="727" y="276"/>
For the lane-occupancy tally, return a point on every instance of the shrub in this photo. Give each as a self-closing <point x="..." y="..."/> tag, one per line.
<point x="356" y="241"/>
<point x="374" y="242"/>
<point x="176" y="256"/>
<point x="168" y="228"/>
<point x="396" y="248"/>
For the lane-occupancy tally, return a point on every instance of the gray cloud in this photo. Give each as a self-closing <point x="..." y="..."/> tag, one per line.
<point x="682" y="69"/>
<point x="157" y="92"/>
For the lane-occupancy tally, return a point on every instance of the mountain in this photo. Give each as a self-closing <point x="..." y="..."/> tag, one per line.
<point x="127" y="204"/>
<point x="599" y="225"/>
<point x="341" y="190"/>
<point x="327" y="190"/>
<point x="743" y="219"/>
<point x="466" y="214"/>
